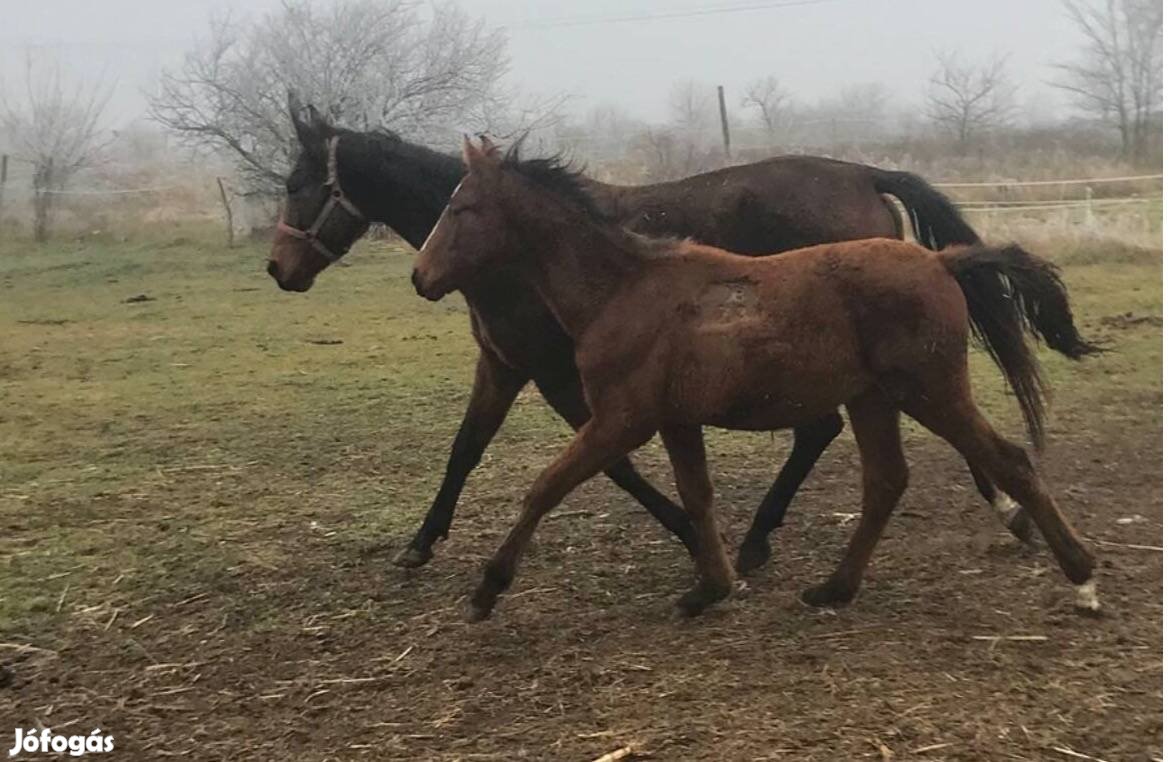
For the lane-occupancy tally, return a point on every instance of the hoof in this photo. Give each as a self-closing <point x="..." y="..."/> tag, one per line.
<point x="698" y="598"/>
<point x="1021" y="526"/>
<point x="831" y="593"/>
<point x="477" y="613"/>
<point x="752" y="555"/>
<point x="1086" y="601"/>
<point x="481" y="605"/>
<point x="412" y="557"/>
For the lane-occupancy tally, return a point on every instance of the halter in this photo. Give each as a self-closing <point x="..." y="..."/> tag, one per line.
<point x="336" y="199"/>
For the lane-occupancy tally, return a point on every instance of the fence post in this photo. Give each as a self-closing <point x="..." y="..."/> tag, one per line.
<point x="3" y="182"/>
<point x="722" y="113"/>
<point x="1089" y="220"/>
<point x="227" y="210"/>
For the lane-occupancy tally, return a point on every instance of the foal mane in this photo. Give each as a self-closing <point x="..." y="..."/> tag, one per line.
<point x="557" y="175"/>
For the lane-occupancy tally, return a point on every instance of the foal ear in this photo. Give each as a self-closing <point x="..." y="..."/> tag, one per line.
<point x="489" y="148"/>
<point x="474" y="157"/>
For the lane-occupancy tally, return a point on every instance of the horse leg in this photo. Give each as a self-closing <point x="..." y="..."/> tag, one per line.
<point x="567" y="399"/>
<point x="884" y="477"/>
<point x="495" y="389"/>
<point x="594" y="448"/>
<point x="715" y="577"/>
<point x="1010" y="513"/>
<point x="810" y="442"/>
<point x="957" y="419"/>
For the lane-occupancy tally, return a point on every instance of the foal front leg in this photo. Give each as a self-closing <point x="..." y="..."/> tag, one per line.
<point x="595" y="447"/>
<point x="496" y="387"/>
<point x="567" y="399"/>
<point x="715" y="577"/>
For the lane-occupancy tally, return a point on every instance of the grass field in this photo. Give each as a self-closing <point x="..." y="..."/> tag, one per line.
<point x="193" y="464"/>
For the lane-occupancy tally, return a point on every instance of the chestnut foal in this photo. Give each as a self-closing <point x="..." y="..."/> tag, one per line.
<point x="671" y="336"/>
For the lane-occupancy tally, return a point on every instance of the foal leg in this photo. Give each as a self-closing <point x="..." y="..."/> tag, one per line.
<point x="594" y="448"/>
<point x="567" y="399"/>
<point x="810" y="442"/>
<point x="1010" y="513"/>
<point x="495" y="389"/>
<point x="715" y="577"/>
<point x="957" y="419"/>
<point x="884" y="477"/>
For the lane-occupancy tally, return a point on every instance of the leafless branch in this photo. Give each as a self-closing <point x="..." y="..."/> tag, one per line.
<point x="57" y="128"/>
<point x="364" y="64"/>
<point x="966" y="99"/>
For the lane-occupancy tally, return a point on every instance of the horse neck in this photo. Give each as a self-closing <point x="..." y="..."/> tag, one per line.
<point x="401" y="185"/>
<point x="622" y="201"/>
<point x="575" y="265"/>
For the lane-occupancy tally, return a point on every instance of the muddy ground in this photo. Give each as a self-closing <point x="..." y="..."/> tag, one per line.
<point x="197" y="553"/>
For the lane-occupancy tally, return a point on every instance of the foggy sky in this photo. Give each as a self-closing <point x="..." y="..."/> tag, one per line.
<point x="815" y="49"/>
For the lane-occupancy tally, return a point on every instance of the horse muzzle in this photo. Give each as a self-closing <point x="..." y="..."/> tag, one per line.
<point x="299" y="283"/>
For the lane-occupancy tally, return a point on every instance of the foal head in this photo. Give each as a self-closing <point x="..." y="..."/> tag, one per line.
<point x="318" y="223"/>
<point x="481" y="226"/>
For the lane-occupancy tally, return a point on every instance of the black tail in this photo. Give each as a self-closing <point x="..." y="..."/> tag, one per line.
<point x="1010" y="293"/>
<point x="936" y="222"/>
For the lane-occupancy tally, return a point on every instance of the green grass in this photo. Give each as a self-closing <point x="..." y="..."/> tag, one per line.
<point x="150" y="448"/>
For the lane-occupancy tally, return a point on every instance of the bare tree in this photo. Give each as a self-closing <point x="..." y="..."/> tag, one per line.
<point x="967" y="99"/>
<point x="56" y="127"/>
<point x="766" y="97"/>
<point x="362" y="63"/>
<point x="1118" y="76"/>
<point x="693" y="107"/>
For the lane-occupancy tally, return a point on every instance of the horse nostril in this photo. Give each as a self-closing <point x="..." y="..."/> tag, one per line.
<point x="273" y="268"/>
<point x="414" y="281"/>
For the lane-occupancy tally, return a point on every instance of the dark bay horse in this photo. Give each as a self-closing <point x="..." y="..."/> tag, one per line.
<point x="672" y="335"/>
<point x="760" y="208"/>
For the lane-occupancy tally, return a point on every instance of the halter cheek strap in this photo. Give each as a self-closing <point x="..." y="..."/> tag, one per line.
<point x="337" y="199"/>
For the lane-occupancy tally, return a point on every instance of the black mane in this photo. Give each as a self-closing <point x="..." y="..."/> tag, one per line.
<point x="383" y="150"/>
<point x="558" y="175"/>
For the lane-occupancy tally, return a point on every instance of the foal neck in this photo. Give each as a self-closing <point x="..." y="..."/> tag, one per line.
<point x="399" y="184"/>
<point x="576" y="264"/>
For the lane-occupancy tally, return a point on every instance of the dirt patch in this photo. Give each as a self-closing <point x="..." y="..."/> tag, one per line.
<point x="1129" y="320"/>
<point x="962" y="645"/>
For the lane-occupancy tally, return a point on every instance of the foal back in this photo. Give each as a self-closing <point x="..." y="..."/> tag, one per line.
<point x="774" y="342"/>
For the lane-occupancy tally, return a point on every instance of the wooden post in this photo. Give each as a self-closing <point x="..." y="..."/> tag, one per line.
<point x="227" y="210"/>
<point x="722" y="113"/>
<point x="3" y="182"/>
<point x="42" y="185"/>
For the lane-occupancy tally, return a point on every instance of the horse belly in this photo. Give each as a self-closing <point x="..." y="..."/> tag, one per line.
<point x="751" y="377"/>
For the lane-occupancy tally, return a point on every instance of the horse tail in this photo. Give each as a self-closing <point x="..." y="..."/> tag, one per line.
<point x="1009" y="294"/>
<point x="936" y="222"/>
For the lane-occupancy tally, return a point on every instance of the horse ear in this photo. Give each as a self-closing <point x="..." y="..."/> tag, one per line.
<point x="306" y="132"/>
<point x="319" y="123"/>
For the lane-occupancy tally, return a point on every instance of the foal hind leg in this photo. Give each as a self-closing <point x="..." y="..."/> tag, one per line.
<point x="594" y="448"/>
<point x="810" y="442"/>
<point x="957" y="419"/>
<point x="715" y="577"/>
<point x="884" y="477"/>
<point x="567" y="399"/>
<point x="1010" y="513"/>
